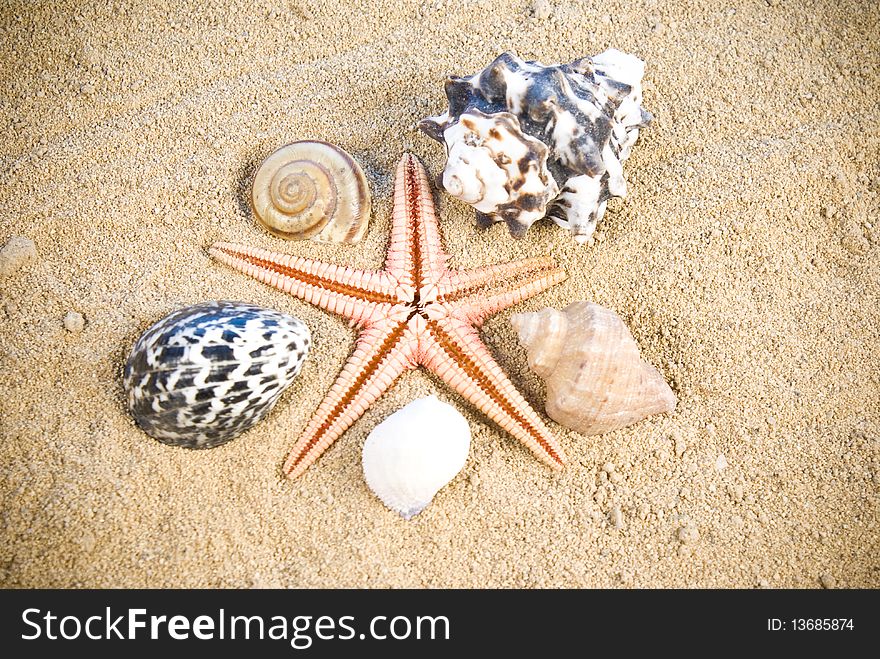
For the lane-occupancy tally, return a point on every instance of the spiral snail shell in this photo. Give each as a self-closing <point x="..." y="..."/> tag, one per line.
<point x="312" y="190"/>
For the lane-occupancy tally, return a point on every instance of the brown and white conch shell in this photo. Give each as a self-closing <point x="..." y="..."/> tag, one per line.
<point x="596" y="380"/>
<point x="312" y="190"/>
<point x="526" y="140"/>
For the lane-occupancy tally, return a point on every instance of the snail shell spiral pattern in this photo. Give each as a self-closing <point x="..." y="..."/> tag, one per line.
<point x="206" y="373"/>
<point x="312" y="190"/>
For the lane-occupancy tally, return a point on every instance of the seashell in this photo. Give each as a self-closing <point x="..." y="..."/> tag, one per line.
<point x="413" y="453"/>
<point x="596" y="380"/>
<point x="312" y="190"/>
<point x="206" y="373"/>
<point x="526" y="141"/>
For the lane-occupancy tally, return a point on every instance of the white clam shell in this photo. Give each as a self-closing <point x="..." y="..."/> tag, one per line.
<point x="413" y="453"/>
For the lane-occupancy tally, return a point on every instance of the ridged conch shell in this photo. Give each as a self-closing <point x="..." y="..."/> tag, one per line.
<point x="414" y="452"/>
<point x="596" y="380"/>
<point x="312" y="190"/>
<point x="206" y="373"/>
<point x="525" y="140"/>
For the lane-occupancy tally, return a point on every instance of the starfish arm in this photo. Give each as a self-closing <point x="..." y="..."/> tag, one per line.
<point x="382" y="353"/>
<point x="359" y="295"/>
<point x="415" y="252"/>
<point x="479" y="304"/>
<point x="455" y="353"/>
<point x="457" y="284"/>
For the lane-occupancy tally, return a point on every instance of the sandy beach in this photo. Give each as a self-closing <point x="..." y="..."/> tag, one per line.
<point x="745" y="260"/>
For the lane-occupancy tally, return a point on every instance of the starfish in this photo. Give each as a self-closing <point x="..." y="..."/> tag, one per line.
<point x="417" y="311"/>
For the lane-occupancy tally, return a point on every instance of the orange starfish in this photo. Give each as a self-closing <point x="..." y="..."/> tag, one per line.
<point x="415" y="311"/>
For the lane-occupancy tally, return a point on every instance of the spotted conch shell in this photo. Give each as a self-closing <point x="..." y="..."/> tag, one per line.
<point x="596" y="380"/>
<point x="312" y="190"/>
<point x="204" y="374"/>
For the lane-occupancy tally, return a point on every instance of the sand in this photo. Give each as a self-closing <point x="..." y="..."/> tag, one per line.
<point x="745" y="260"/>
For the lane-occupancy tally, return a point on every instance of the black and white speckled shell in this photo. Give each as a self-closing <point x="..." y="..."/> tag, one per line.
<point x="206" y="373"/>
<point x="525" y="140"/>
